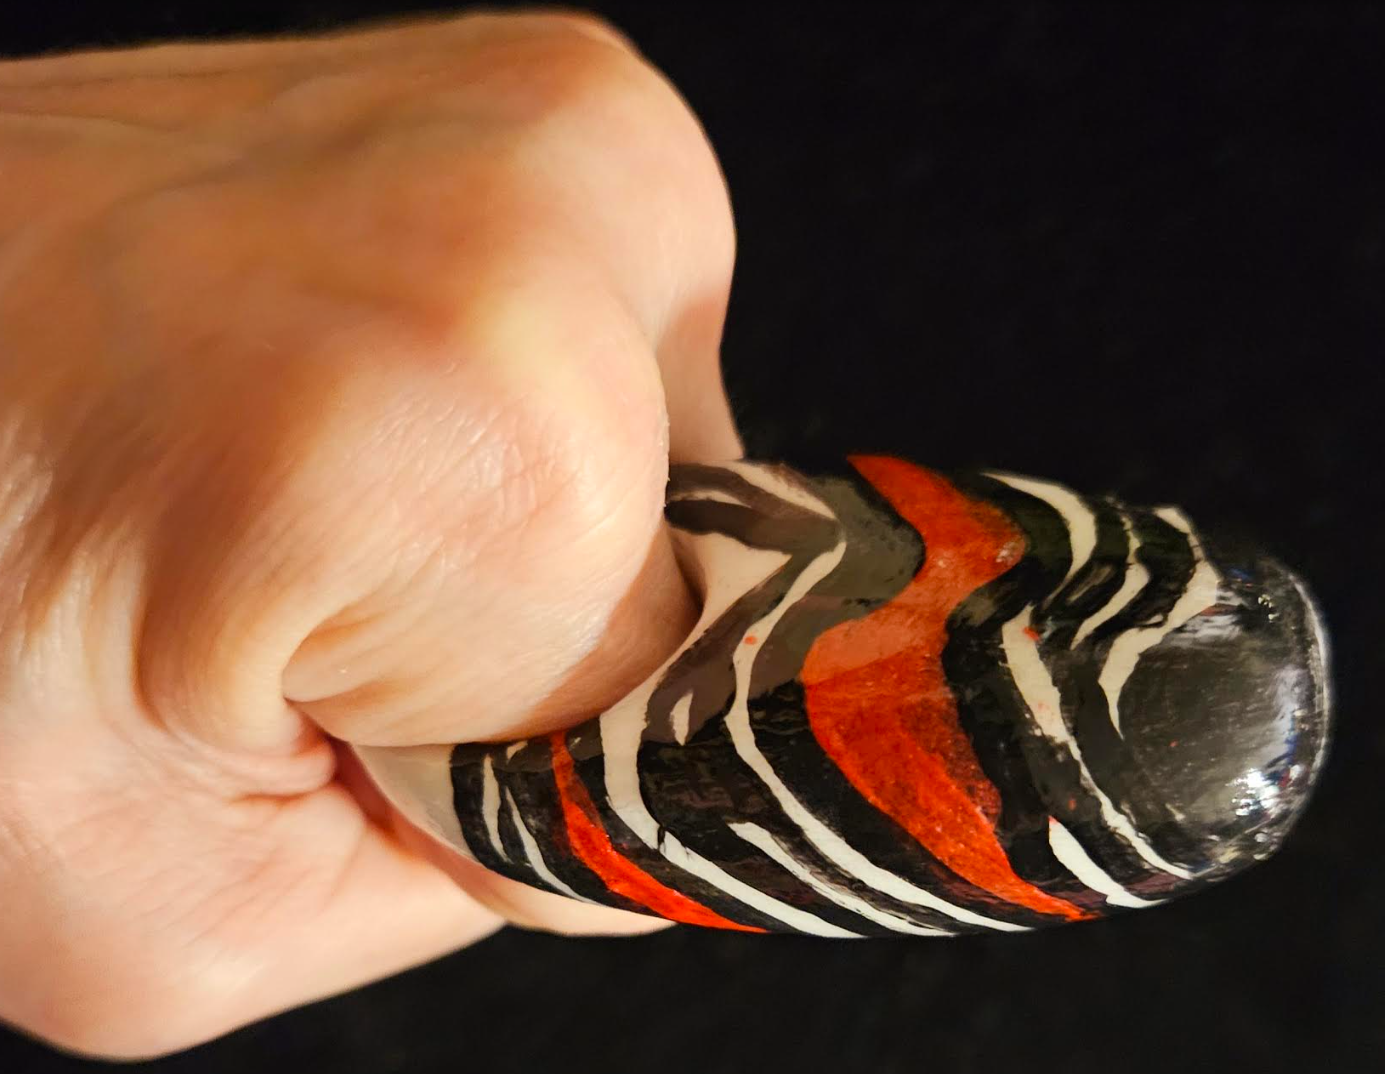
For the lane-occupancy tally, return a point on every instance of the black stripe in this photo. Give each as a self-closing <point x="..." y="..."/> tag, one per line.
<point x="1036" y="779"/>
<point x="688" y="479"/>
<point x="467" y="798"/>
<point x="589" y="767"/>
<point x="697" y="791"/>
<point x="813" y="779"/>
<point x="1095" y="583"/>
<point x="1166" y="554"/>
<point x="528" y="775"/>
<point x="705" y="668"/>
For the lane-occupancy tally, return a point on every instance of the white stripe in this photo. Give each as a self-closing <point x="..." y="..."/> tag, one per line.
<point x="726" y="569"/>
<point x="1041" y="696"/>
<point x="515" y="747"/>
<point x="1126" y="650"/>
<point x="1075" y="859"/>
<point x="1080" y="521"/>
<point x="763" y="841"/>
<point x="623" y="725"/>
<point x="535" y="856"/>
<point x="1136" y="578"/>
<point x="490" y="804"/>
<point x="828" y="843"/>
<point x="680" y="715"/>
<point x="762" y="477"/>
<point x="715" y="495"/>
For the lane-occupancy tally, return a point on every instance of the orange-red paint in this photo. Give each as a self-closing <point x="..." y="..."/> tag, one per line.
<point x="879" y="703"/>
<point x="593" y="846"/>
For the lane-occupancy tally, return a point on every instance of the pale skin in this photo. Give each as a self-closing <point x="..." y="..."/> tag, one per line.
<point x="339" y="380"/>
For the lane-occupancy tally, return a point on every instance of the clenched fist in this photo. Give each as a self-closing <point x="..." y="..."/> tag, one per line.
<point x="338" y="384"/>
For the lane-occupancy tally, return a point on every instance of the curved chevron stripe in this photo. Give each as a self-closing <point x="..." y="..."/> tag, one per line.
<point x="901" y="745"/>
<point x="1045" y="705"/>
<point x="1200" y="594"/>
<point x="900" y="713"/>
<point x="592" y="845"/>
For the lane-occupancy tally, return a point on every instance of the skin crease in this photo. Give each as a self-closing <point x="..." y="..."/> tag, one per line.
<point x="340" y="381"/>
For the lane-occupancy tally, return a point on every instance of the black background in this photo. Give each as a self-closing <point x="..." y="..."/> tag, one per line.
<point x="1135" y="248"/>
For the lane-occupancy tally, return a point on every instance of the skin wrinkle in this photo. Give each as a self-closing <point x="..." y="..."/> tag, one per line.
<point x="19" y="512"/>
<point x="552" y="495"/>
<point x="265" y="880"/>
<point x="16" y="832"/>
<point x="171" y="882"/>
<point x="250" y="843"/>
<point x="545" y="475"/>
<point x="81" y="202"/>
<point x="93" y="578"/>
<point x="289" y="525"/>
<point x="44" y="122"/>
<point x="368" y="636"/>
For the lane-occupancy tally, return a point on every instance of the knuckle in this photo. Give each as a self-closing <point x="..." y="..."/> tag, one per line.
<point x="584" y="23"/>
<point x="581" y="481"/>
<point x="588" y="84"/>
<point x="604" y="136"/>
<point x="586" y="74"/>
<point x="574" y="484"/>
<point x="564" y="58"/>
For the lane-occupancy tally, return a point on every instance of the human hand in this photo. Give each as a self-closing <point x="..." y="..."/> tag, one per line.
<point x="339" y="385"/>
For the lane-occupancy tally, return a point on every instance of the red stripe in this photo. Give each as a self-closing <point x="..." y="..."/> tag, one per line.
<point x="592" y="845"/>
<point x="880" y="705"/>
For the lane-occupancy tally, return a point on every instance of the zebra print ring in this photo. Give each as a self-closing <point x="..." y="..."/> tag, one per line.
<point x="915" y="704"/>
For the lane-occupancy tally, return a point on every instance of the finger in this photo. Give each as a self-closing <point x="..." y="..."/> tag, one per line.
<point x="514" y="622"/>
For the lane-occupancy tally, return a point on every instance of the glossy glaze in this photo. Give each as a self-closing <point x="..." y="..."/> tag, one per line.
<point x="916" y="704"/>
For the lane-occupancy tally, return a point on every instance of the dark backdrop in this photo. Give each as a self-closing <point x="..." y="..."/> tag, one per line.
<point x="1135" y="248"/>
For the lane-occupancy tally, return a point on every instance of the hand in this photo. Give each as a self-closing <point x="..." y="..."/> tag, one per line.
<point x="339" y="383"/>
